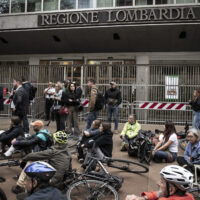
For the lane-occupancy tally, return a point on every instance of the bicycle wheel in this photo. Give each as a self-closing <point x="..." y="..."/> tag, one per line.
<point x="141" y="153"/>
<point x="195" y="192"/>
<point x="91" y="190"/>
<point x="148" y="153"/>
<point x="183" y="143"/>
<point x="128" y="166"/>
<point x="2" y="195"/>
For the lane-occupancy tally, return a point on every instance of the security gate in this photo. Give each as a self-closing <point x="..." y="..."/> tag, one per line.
<point x="171" y="85"/>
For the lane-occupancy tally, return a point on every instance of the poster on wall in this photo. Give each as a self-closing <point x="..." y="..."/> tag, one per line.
<point x="171" y="87"/>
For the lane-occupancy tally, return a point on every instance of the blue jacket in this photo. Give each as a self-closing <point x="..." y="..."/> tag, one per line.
<point x="49" y="193"/>
<point x="192" y="152"/>
<point x="93" y="132"/>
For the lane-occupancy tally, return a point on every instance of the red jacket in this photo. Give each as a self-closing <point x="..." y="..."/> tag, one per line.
<point x="153" y="196"/>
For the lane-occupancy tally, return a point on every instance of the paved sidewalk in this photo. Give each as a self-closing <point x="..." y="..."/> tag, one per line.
<point x="133" y="183"/>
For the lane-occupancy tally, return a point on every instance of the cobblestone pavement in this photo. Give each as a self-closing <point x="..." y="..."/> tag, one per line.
<point x="133" y="183"/>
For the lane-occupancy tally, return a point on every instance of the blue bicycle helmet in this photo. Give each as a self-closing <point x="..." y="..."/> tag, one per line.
<point x="41" y="170"/>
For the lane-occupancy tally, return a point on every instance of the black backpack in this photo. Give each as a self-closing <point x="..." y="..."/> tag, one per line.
<point x="49" y="141"/>
<point x="100" y="101"/>
<point x="33" y="91"/>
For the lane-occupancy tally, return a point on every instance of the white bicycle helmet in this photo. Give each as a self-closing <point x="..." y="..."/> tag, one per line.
<point x="177" y="175"/>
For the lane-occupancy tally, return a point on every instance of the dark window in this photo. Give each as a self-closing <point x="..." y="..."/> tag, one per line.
<point x="4" y="6"/>
<point x="33" y="5"/>
<point x="124" y="3"/>
<point x="143" y="2"/>
<point x="67" y="4"/>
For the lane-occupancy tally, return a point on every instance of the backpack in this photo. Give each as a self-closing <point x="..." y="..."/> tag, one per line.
<point x="33" y="91"/>
<point x="100" y="101"/>
<point x="49" y="141"/>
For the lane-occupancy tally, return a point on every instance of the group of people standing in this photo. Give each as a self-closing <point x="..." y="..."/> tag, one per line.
<point x="69" y="96"/>
<point x="60" y="97"/>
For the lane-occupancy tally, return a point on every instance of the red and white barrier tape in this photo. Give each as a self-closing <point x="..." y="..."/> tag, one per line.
<point x="162" y="106"/>
<point x="6" y="101"/>
<point x="85" y="102"/>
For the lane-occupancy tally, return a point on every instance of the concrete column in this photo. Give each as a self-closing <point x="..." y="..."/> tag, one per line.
<point x="34" y="61"/>
<point x="142" y="83"/>
<point x="34" y="70"/>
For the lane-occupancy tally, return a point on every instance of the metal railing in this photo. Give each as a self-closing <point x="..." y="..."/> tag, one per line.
<point x="159" y="83"/>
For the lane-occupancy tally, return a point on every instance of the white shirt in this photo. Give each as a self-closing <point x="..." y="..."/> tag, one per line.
<point x="174" y="146"/>
<point x="48" y="95"/>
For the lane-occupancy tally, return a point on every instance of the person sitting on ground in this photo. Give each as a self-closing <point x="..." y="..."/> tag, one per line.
<point x="174" y="183"/>
<point x="192" y="151"/>
<point x="88" y="134"/>
<point x="39" y="141"/>
<point x="14" y="131"/>
<point x="38" y="182"/>
<point x="101" y="145"/>
<point x="58" y="156"/>
<point x="166" y="150"/>
<point x="129" y="132"/>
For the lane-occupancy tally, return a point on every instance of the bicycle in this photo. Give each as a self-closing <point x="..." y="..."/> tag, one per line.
<point x="145" y="146"/>
<point x="89" y="185"/>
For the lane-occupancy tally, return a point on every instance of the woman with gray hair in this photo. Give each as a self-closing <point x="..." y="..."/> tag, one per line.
<point x="192" y="151"/>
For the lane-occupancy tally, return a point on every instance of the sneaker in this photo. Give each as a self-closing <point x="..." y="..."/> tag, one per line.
<point x="123" y="147"/>
<point x="17" y="189"/>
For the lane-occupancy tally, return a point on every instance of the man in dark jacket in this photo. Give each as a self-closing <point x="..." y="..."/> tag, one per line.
<point x="195" y="104"/>
<point x="37" y="142"/>
<point x="113" y="100"/>
<point x="58" y="156"/>
<point x="14" y="131"/>
<point x="37" y="182"/>
<point x="1" y="98"/>
<point x="21" y="102"/>
<point x="26" y="85"/>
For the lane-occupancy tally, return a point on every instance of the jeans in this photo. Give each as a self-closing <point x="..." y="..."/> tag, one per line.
<point x="25" y="124"/>
<point x="159" y="156"/>
<point x="91" y="117"/>
<point x="73" y="116"/>
<point x="48" y="105"/>
<point x="60" y="122"/>
<point x="196" y="120"/>
<point x="112" y="110"/>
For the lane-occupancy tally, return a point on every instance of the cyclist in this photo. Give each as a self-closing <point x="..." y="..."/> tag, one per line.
<point x="129" y="132"/>
<point x="87" y="135"/>
<point x="174" y="183"/>
<point x="192" y="151"/>
<point x="14" y="131"/>
<point x="57" y="156"/>
<point x="37" y="182"/>
<point x="101" y="144"/>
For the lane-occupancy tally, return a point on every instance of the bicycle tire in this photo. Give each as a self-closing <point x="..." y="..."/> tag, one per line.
<point x="2" y="195"/>
<point x="73" y="193"/>
<point x="195" y="192"/>
<point x="141" y="153"/>
<point x="148" y="153"/>
<point x="183" y="143"/>
<point x="135" y="167"/>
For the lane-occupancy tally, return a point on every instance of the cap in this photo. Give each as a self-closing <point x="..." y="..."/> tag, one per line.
<point x="38" y="123"/>
<point x="113" y="83"/>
